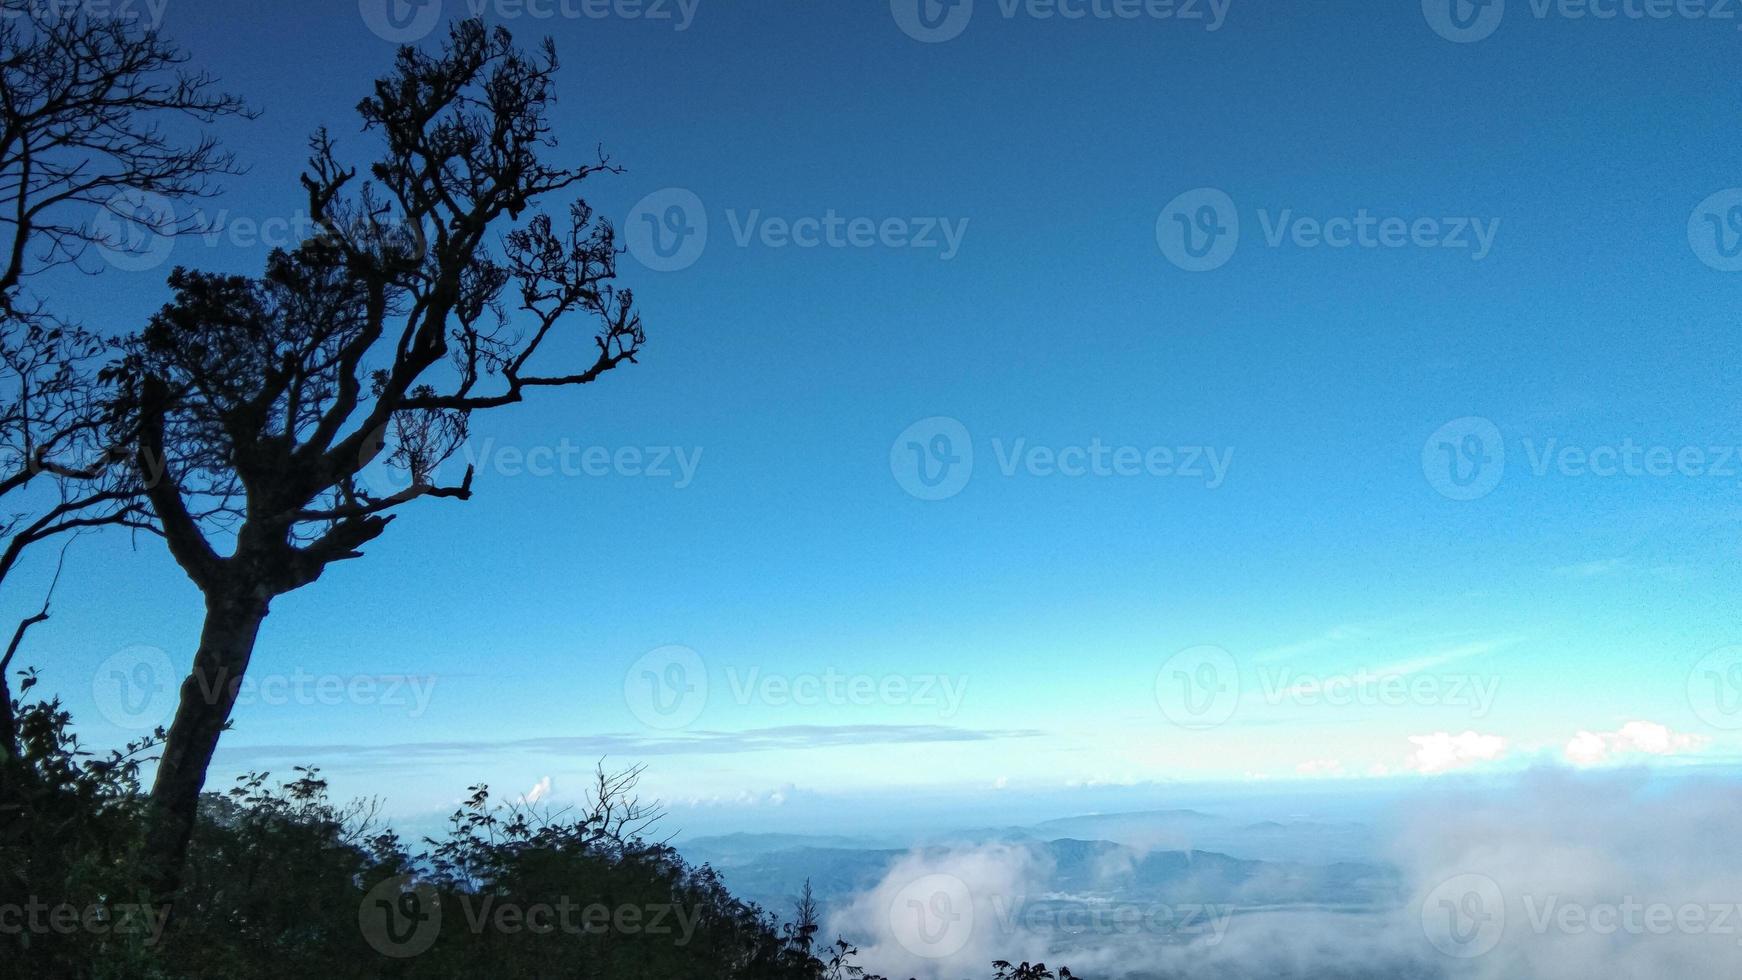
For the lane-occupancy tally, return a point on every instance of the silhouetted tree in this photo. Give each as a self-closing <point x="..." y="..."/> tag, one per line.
<point x="258" y="402"/>
<point x="804" y="921"/>
<point x="83" y="146"/>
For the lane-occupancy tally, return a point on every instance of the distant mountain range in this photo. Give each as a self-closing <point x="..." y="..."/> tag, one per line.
<point x="1269" y="840"/>
<point x="1168" y="856"/>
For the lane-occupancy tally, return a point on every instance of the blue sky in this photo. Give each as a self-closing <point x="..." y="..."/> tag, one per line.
<point x="1059" y="150"/>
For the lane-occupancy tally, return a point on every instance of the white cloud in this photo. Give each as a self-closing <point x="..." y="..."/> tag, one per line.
<point x="1559" y="856"/>
<point x="1592" y="846"/>
<point x="1443" y="751"/>
<point x="539" y="791"/>
<point x="747" y="797"/>
<point x="1632" y="739"/>
<point x="937" y="913"/>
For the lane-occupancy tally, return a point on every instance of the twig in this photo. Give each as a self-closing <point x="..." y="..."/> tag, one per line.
<point x="27" y="622"/>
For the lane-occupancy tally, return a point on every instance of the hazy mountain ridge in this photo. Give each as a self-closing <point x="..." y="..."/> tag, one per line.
<point x="1181" y="830"/>
<point x="771" y="868"/>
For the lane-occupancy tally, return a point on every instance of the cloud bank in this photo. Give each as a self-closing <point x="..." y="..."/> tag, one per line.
<point x="1552" y="875"/>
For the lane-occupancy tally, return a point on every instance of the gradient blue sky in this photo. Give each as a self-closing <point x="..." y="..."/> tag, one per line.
<point x="1327" y="549"/>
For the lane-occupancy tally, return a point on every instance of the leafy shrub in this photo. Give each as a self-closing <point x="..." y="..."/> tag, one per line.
<point x="283" y="883"/>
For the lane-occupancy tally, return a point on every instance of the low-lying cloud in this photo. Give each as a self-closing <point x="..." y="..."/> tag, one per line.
<point x="1552" y="875"/>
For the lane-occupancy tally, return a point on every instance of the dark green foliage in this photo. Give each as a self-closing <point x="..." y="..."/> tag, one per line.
<point x="68" y="822"/>
<point x="282" y="883"/>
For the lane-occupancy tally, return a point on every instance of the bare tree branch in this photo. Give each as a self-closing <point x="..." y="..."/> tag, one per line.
<point x="83" y="101"/>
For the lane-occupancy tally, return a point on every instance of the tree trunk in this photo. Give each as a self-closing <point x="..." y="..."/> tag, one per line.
<point x="8" y="723"/>
<point x="8" y="738"/>
<point x="207" y="695"/>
